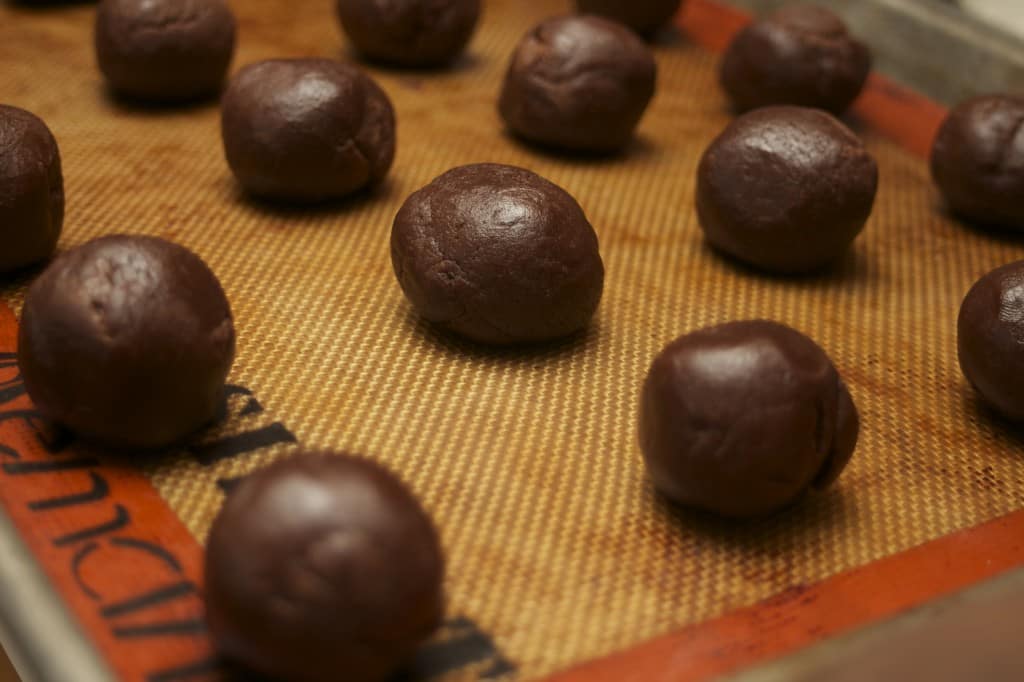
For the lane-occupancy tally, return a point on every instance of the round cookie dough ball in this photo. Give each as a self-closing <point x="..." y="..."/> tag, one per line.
<point x="741" y="419"/>
<point x="785" y="189"/>
<point x="978" y="161"/>
<point x="164" y="50"/>
<point x="31" y="190"/>
<point x="580" y="83"/>
<point x="323" y="567"/>
<point x="802" y="55"/>
<point x="409" y="32"/>
<point x="306" y="130"/>
<point x="990" y="339"/>
<point x="127" y="340"/>
<point x="643" y="16"/>
<point x="499" y="255"/>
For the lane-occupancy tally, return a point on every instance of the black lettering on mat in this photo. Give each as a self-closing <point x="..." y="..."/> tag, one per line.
<point x="12" y="388"/>
<point x="229" y="484"/>
<point x="99" y="491"/>
<point x="462" y="644"/>
<point x="239" y="403"/>
<point x="121" y="519"/>
<point x="241" y="443"/>
<point x="155" y="597"/>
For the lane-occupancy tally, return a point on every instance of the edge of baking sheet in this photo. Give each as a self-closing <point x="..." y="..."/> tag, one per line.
<point x="24" y="589"/>
<point x="977" y="616"/>
<point x="142" y="612"/>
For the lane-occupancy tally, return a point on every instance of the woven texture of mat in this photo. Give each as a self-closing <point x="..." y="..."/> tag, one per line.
<point x="528" y="459"/>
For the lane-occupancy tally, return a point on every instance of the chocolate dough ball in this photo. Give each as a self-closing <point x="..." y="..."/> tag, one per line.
<point x="643" y="16"/>
<point x="978" y="161"/>
<point x="127" y="340"/>
<point x="990" y="339"/>
<point x="741" y="419"/>
<point x="497" y="254"/>
<point x="800" y="55"/>
<point x="580" y="83"/>
<point x="785" y="189"/>
<point x="306" y="130"/>
<point x="409" y="32"/>
<point x="164" y="50"/>
<point x="320" y="568"/>
<point x="31" y="190"/>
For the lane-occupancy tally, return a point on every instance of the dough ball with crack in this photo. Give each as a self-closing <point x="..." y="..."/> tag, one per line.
<point x="499" y="255"/>
<point x="978" y="161"/>
<point x="127" y="340"/>
<point x="741" y="419"/>
<point x="579" y="83"/>
<point x="323" y="567"/>
<point x="801" y="55"/>
<point x="164" y="50"/>
<point x="32" y="194"/>
<point x="306" y="130"/>
<point x="409" y="32"/>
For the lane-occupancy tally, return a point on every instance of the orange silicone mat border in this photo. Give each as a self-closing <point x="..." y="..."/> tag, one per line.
<point x="118" y="557"/>
<point x="143" y="612"/>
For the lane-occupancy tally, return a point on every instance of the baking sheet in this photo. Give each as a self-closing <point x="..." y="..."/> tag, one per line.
<point x="559" y="552"/>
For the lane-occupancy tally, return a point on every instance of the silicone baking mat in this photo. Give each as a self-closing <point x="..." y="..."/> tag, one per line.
<point x="559" y="552"/>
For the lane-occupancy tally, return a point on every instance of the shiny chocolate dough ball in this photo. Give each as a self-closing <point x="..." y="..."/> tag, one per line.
<point x="306" y="130"/>
<point x="802" y="55"/>
<point x="580" y="83"/>
<point x="164" y="50"/>
<point x="127" y="340"/>
<point x="31" y="190"/>
<point x="741" y="419"/>
<point x="978" y="161"/>
<point x="990" y="339"/>
<point x="643" y="16"/>
<point x="785" y="189"/>
<point x="323" y="567"/>
<point x="499" y="255"/>
<point x="409" y="32"/>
